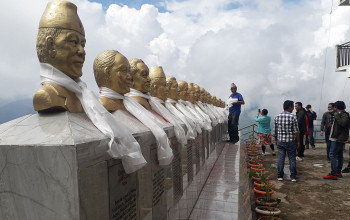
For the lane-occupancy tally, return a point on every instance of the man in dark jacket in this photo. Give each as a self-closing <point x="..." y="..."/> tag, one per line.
<point x="326" y="124"/>
<point x="300" y="113"/>
<point x="338" y="136"/>
<point x="310" y="137"/>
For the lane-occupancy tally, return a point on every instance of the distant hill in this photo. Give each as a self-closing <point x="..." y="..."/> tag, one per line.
<point x="15" y="109"/>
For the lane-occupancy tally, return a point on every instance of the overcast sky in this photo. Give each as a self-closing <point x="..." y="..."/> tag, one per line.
<point x="272" y="50"/>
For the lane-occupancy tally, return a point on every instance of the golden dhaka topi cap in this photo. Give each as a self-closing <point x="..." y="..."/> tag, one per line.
<point x="61" y="14"/>
<point x="156" y="72"/>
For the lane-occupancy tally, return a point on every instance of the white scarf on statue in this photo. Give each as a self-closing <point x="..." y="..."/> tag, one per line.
<point x="217" y="114"/>
<point x="205" y="124"/>
<point x="157" y="106"/>
<point x="208" y="112"/>
<point x="191" y="132"/>
<point x="125" y="146"/>
<point x="184" y="109"/>
<point x="164" y="152"/>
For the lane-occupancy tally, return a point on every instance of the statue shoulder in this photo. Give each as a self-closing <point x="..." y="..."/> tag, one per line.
<point x="52" y="97"/>
<point x="142" y="101"/>
<point x="112" y="105"/>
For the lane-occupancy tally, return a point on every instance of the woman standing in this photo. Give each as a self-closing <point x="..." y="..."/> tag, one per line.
<point x="264" y="131"/>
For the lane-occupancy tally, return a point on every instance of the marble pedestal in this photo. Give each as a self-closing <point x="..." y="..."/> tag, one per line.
<point x="55" y="166"/>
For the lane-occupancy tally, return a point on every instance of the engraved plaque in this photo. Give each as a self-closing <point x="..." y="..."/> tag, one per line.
<point x="197" y="154"/>
<point x="159" y="206"/>
<point x="177" y="174"/>
<point x="122" y="193"/>
<point x="190" y="162"/>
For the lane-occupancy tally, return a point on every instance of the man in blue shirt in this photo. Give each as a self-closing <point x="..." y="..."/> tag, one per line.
<point x="234" y="112"/>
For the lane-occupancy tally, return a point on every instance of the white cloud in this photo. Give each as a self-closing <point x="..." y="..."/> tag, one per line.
<point x="272" y="50"/>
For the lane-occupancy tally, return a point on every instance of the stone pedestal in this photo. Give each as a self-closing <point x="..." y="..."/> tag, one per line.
<point x="54" y="166"/>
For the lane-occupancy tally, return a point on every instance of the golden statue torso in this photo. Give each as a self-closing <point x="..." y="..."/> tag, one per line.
<point x="112" y="104"/>
<point x="52" y="97"/>
<point x="142" y="101"/>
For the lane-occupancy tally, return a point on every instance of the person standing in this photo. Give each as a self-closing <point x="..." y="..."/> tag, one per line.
<point x="338" y="136"/>
<point x="264" y="131"/>
<point x="234" y="112"/>
<point x="300" y="113"/>
<point x="287" y="139"/>
<point x="326" y="124"/>
<point x="310" y="136"/>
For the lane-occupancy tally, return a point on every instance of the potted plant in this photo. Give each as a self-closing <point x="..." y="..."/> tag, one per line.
<point x="267" y="211"/>
<point x="264" y="202"/>
<point x="265" y="190"/>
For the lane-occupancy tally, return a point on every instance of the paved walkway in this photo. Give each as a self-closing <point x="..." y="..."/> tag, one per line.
<point x="219" y="197"/>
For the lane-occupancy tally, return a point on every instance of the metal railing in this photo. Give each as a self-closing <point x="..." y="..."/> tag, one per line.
<point x="253" y="127"/>
<point x="252" y="132"/>
<point x="343" y="55"/>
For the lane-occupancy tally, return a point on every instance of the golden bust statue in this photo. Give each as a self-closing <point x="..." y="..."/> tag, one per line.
<point x="112" y="70"/>
<point x="60" y="43"/>
<point x="202" y="96"/>
<point x="183" y="89"/>
<point x="158" y="83"/>
<point x="191" y="93"/>
<point x="141" y="82"/>
<point x="197" y="92"/>
<point x="172" y="88"/>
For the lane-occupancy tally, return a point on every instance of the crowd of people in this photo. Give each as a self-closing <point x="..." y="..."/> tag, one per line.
<point x="293" y="133"/>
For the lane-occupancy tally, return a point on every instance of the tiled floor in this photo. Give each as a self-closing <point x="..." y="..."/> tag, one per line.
<point x="219" y="197"/>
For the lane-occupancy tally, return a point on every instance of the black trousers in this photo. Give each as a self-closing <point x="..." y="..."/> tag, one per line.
<point x="263" y="148"/>
<point x="328" y="145"/>
<point x="302" y="146"/>
<point x="233" y="127"/>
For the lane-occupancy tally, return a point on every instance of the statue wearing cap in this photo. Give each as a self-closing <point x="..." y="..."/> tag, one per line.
<point x="191" y="93"/>
<point x="158" y="83"/>
<point x="60" y="43"/>
<point x="183" y="89"/>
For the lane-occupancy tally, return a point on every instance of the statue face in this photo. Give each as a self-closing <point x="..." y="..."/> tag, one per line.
<point x="197" y="92"/>
<point x="173" y="92"/>
<point x="161" y="89"/>
<point x="120" y="78"/>
<point x="141" y="79"/>
<point x="69" y="53"/>
<point x="184" y="93"/>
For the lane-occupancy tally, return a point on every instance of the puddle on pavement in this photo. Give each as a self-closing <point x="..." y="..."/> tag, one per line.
<point x="318" y="165"/>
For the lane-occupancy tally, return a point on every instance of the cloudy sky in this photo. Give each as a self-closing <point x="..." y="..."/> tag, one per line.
<point x="273" y="50"/>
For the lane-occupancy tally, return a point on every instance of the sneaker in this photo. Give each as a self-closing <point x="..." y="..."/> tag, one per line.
<point x="313" y="148"/>
<point x="330" y="177"/>
<point x="273" y="154"/>
<point x="293" y="180"/>
<point x="279" y="179"/>
<point x="298" y="158"/>
<point x="346" y="170"/>
<point x="339" y="175"/>
<point x="306" y="146"/>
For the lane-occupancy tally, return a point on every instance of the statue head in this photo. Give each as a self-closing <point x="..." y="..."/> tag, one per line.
<point x="183" y="89"/>
<point x="158" y="83"/>
<point x="197" y="91"/>
<point x="191" y="93"/>
<point x="202" y="96"/>
<point x="112" y="70"/>
<point x="61" y="38"/>
<point x="172" y="88"/>
<point x="140" y="75"/>
<point x="214" y="100"/>
<point x="209" y="98"/>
